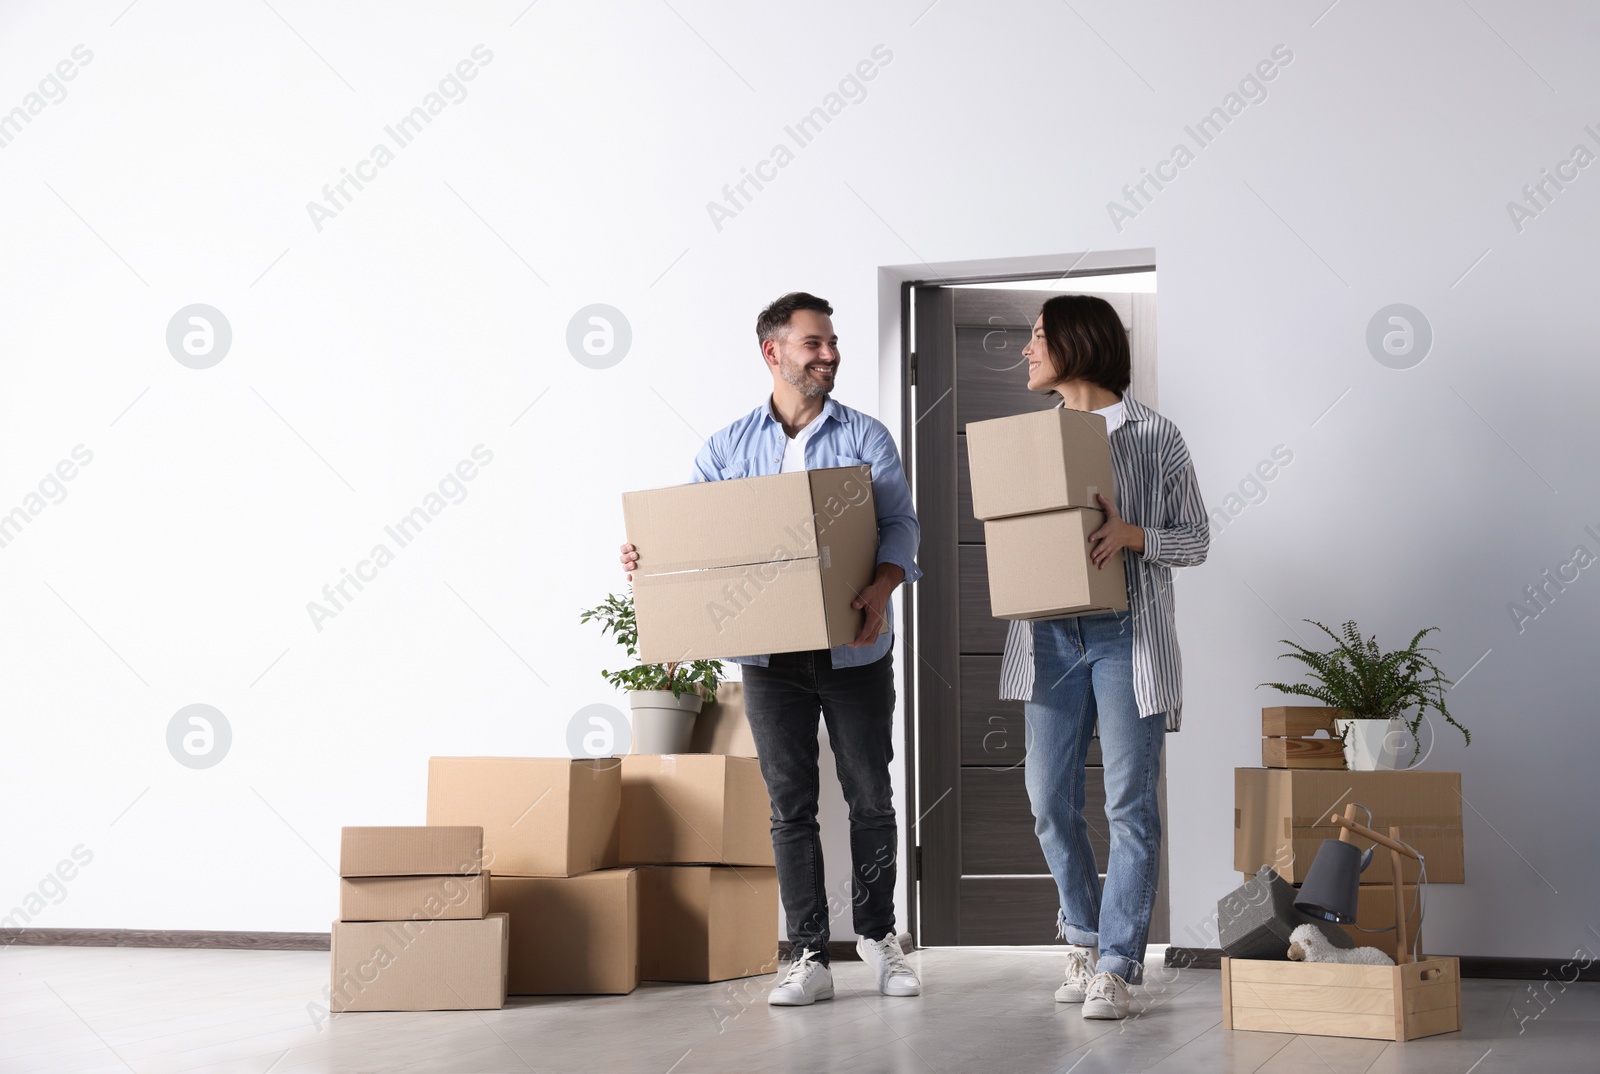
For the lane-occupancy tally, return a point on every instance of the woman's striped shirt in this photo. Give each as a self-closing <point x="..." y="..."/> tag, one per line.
<point x="1156" y="489"/>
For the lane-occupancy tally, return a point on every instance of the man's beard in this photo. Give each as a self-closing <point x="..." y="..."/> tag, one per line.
<point x="795" y="375"/>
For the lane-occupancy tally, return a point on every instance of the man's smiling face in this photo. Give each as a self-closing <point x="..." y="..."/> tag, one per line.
<point x="808" y="353"/>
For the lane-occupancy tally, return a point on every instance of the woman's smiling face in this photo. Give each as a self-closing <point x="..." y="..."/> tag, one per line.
<point x="1041" y="370"/>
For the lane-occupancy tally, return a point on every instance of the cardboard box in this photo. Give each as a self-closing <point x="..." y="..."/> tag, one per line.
<point x="1397" y="1003"/>
<point x="540" y="816"/>
<point x="707" y="922"/>
<point x="752" y="565"/>
<point x="1282" y="815"/>
<point x="694" y="809"/>
<point x="722" y="726"/>
<point x="414" y="851"/>
<point x="576" y="935"/>
<point x="419" y="965"/>
<point x="421" y="898"/>
<point x="1044" y="461"/>
<point x="1039" y="567"/>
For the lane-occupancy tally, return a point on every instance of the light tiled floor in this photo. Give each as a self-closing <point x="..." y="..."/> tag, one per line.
<point x="94" y="1009"/>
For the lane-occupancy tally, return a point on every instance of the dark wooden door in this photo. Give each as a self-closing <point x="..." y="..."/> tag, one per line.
<point x="982" y="877"/>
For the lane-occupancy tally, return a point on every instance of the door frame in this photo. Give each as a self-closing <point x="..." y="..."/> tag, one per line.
<point x="896" y="379"/>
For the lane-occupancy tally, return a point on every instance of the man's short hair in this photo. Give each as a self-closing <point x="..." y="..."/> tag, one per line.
<point x="775" y="318"/>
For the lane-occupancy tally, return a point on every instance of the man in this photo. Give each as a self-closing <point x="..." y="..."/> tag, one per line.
<point x="852" y="686"/>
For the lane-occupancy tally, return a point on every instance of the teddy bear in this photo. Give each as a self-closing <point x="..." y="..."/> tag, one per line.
<point x="1306" y="944"/>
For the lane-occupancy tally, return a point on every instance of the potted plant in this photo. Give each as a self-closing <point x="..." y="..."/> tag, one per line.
<point x="665" y="698"/>
<point x="1379" y="695"/>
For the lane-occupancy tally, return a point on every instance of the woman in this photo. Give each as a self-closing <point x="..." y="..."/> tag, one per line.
<point x="1119" y="670"/>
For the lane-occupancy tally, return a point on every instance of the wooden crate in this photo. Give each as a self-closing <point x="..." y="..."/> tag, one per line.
<point x="1288" y="737"/>
<point x="1419" y="999"/>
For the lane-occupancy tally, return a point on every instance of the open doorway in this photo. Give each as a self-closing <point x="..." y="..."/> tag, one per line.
<point x="980" y="877"/>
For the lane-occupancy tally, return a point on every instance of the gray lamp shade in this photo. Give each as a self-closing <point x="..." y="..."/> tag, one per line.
<point x="1333" y="881"/>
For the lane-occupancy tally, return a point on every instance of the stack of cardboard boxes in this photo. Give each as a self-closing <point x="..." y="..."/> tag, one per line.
<point x="698" y="825"/>
<point x="550" y="834"/>
<point x="414" y="929"/>
<point x="618" y="870"/>
<point x="1034" y="480"/>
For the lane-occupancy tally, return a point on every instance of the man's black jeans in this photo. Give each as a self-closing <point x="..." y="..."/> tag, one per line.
<point x="782" y="701"/>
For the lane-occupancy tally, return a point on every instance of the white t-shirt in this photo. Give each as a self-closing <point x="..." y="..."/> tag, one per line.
<point x="794" y="453"/>
<point x="1115" y="415"/>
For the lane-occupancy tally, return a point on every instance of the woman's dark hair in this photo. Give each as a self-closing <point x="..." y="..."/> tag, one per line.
<point x="1086" y="341"/>
<point x="775" y="318"/>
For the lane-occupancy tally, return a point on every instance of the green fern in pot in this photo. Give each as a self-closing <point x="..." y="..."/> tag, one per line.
<point x="1367" y="684"/>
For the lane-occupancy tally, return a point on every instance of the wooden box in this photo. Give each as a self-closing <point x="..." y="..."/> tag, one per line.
<point x="1288" y="737"/>
<point x="1419" y="999"/>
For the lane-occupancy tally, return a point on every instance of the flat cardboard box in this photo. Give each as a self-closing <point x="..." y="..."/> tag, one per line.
<point x="722" y="726"/>
<point x="694" y="809"/>
<point x="411" y="851"/>
<point x="1282" y="815"/>
<point x="406" y="898"/>
<point x="576" y="935"/>
<point x="1039" y="567"/>
<point x="540" y="816"/>
<point x="1419" y="999"/>
<point x="1044" y="461"/>
<point x="419" y="965"/>
<point x="701" y="923"/>
<point x="751" y="565"/>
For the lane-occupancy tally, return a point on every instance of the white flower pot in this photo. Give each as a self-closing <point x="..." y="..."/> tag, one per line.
<point x="663" y="723"/>
<point x="1371" y="745"/>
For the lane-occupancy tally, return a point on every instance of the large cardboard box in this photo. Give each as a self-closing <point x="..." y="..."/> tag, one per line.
<point x="1282" y="815"/>
<point x="419" y="965"/>
<point x="576" y="935"/>
<point x="722" y="726"/>
<point x="707" y="922"/>
<point x="1375" y="910"/>
<point x="694" y="809"/>
<point x="1044" y="461"/>
<point x="751" y="565"/>
<point x="1039" y="567"/>
<point x="422" y="898"/>
<point x="411" y="851"/>
<point x="540" y="816"/>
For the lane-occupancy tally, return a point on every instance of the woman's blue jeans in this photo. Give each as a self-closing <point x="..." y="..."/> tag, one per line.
<point x="1083" y="677"/>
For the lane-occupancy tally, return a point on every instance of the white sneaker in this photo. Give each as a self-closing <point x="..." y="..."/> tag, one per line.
<point x="1106" y="997"/>
<point x="895" y="975"/>
<point x="1080" y="972"/>
<point x="806" y="982"/>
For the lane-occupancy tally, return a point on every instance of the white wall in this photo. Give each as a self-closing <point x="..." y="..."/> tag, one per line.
<point x="370" y="357"/>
